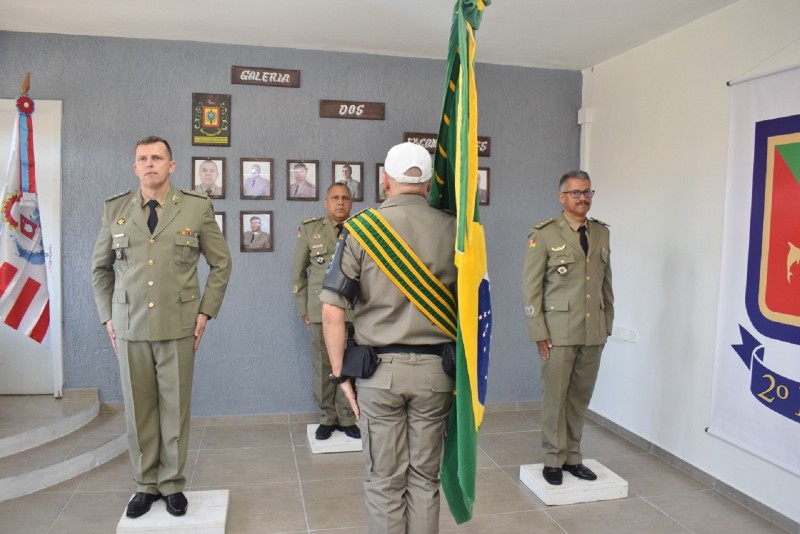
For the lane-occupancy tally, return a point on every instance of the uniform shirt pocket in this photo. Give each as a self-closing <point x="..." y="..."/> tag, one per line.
<point x="190" y="307"/>
<point x="380" y="379"/>
<point x="119" y="309"/>
<point x="119" y="245"/>
<point x="187" y="249"/>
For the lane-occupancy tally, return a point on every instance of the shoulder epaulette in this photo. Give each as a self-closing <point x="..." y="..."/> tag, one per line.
<point x="600" y="222"/>
<point x="310" y="219"/>
<point x="112" y="197"/>
<point x="193" y="193"/>
<point x="543" y="223"/>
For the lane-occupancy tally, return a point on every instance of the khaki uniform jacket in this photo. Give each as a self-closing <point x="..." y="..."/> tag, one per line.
<point x="568" y="297"/>
<point x="383" y="314"/>
<point x="148" y="285"/>
<point x="261" y="240"/>
<point x="316" y="243"/>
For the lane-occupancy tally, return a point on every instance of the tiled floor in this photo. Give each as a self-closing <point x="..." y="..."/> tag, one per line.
<point x="277" y="485"/>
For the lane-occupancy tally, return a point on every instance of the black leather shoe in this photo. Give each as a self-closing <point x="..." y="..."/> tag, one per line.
<point x="553" y="475"/>
<point x="324" y="431"/>
<point x="140" y="503"/>
<point x="580" y="471"/>
<point x="176" y="503"/>
<point x="351" y="431"/>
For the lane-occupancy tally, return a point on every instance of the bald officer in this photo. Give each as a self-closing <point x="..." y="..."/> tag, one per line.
<point x="316" y="241"/>
<point x="569" y="305"/>
<point x="402" y="408"/>
<point x="144" y="274"/>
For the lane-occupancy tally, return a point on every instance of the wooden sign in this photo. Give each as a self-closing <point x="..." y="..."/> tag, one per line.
<point x="265" y="76"/>
<point x="343" y="109"/>
<point x="428" y="142"/>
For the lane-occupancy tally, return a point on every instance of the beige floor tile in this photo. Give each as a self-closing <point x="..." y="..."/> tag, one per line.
<point x="265" y="508"/>
<point x="600" y="442"/>
<point x="496" y="493"/>
<point x="32" y="514"/>
<point x="89" y="442"/>
<point x="106" y="424"/>
<point x="335" y="503"/>
<point x="330" y="465"/>
<point x="648" y="476"/>
<point x="513" y="523"/>
<point x="237" y="436"/>
<point x="626" y="516"/>
<point x="233" y="467"/>
<point x="114" y="475"/>
<point x="708" y="512"/>
<point x="92" y="513"/>
<point x="517" y="448"/>
<point x="196" y="437"/>
<point x="500" y="422"/>
<point x="68" y="486"/>
<point x="42" y="456"/>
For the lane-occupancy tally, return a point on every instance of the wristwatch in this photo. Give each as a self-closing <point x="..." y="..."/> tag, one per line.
<point x="336" y="379"/>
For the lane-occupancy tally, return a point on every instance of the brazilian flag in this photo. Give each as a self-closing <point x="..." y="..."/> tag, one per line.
<point x="455" y="188"/>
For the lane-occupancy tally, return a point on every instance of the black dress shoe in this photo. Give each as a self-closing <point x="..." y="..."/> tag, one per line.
<point x="176" y="503"/>
<point x="140" y="503"/>
<point x="351" y="431"/>
<point x="324" y="431"/>
<point x="553" y="475"/>
<point x="580" y="471"/>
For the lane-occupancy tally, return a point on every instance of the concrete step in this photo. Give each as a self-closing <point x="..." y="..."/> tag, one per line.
<point x="48" y="441"/>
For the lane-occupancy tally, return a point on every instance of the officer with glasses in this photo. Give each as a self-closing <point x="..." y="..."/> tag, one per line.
<point x="569" y="307"/>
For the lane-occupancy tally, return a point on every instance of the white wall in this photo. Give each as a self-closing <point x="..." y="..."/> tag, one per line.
<point x="656" y="148"/>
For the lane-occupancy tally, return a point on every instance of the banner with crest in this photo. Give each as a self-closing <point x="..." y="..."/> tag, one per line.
<point x="756" y="390"/>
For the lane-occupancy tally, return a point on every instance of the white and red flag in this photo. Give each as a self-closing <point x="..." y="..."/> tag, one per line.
<point x="24" y="301"/>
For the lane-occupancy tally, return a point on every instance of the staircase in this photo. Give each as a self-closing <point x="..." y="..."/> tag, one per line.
<point x="45" y="441"/>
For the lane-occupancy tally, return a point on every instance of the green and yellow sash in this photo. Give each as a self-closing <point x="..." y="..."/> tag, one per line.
<point x="404" y="268"/>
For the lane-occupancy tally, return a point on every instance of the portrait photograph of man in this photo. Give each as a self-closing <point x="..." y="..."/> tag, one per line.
<point x="219" y="216"/>
<point x="483" y="186"/>
<point x="256" y="231"/>
<point x="256" y="178"/>
<point x="380" y="192"/>
<point x="349" y="173"/>
<point x="208" y="176"/>
<point x="301" y="180"/>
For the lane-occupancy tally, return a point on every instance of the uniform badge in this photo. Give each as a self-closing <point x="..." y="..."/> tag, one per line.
<point x="558" y="249"/>
<point x="317" y="236"/>
<point x="562" y="270"/>
<point x="530" y="311"/>
<point x="532" y="243"/>
<point x="320" y="260"/>
<point x="120" y="221"/>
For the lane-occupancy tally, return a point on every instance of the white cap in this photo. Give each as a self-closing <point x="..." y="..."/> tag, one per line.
<point x="405" y="156"/>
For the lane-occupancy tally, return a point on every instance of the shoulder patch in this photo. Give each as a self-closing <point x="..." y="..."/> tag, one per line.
<point x="599" y="222"/>
<point x="310" y="219"/>
<point x="193" y="193"/>
<point x="119" y="195"/>
<point x="543" y="223"/>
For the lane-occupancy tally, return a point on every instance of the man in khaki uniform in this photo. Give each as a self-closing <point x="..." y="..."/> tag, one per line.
<point x="256" y="238"/>
<point x="569" y="305"/>
<point x="209" y="173"/>
<point x="316" y="241"/>
<point x="144" y="274"/>
<point x="402" y="408"/>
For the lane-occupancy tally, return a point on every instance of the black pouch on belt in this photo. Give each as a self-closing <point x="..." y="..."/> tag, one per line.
<point x="449" y="359"/>
<point x="360" y="361"/>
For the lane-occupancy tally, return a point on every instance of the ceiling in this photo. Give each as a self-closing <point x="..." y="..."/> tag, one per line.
<point x="562" y="34"/>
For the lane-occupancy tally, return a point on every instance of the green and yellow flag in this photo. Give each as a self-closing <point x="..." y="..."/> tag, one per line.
<point x="455" y="188"/>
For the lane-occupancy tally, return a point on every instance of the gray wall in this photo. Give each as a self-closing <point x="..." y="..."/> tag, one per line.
<point x="255" y="356"/>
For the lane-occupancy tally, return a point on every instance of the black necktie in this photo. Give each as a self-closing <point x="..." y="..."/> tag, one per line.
<point x="208" y="192"/>
<point x="584" y="239"/>
<point x="252" y="237"/>
<point x="339" y="229"/>
<point x="152" y="219"/>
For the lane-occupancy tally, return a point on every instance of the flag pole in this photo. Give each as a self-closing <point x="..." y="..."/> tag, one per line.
<point x="26" y="84"/>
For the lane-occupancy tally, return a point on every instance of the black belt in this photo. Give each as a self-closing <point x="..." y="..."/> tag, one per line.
<point x="419" y="349"/>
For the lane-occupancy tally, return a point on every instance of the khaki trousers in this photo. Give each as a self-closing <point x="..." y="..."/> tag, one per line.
<point x="567" y="380"/>
<point x="404" y="408"/>
<point x="157" y="388"/>
<point x="334" y="408"/>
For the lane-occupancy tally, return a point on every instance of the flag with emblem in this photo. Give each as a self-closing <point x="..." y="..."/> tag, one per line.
<point x="455" y="188"/>
<point x="24" y="301"/>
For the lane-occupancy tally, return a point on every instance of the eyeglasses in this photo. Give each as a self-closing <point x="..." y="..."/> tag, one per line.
<point x="576" y="194"/>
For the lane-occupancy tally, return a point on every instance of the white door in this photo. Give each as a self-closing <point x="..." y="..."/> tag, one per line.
<point x="26" y="367"/>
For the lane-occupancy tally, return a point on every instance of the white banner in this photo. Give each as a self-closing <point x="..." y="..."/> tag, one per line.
<point x="756" y="390"/>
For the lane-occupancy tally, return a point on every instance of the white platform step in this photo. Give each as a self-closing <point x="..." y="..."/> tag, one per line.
<point x="207" y="514"/>
<point x="608" y="485"/>
<point x="338" y="442"/>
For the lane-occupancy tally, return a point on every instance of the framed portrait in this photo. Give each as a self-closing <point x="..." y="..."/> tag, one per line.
<point x="208" y="176"/>
<point x="256" y="178"/>
<point x="351" y="173"/>
<point x="483" y="186"/>
<point x="380" y="192"/>
<point x="302" y="179"/>
<point x="220" y="217"/>
<point x="255" y="231"/>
